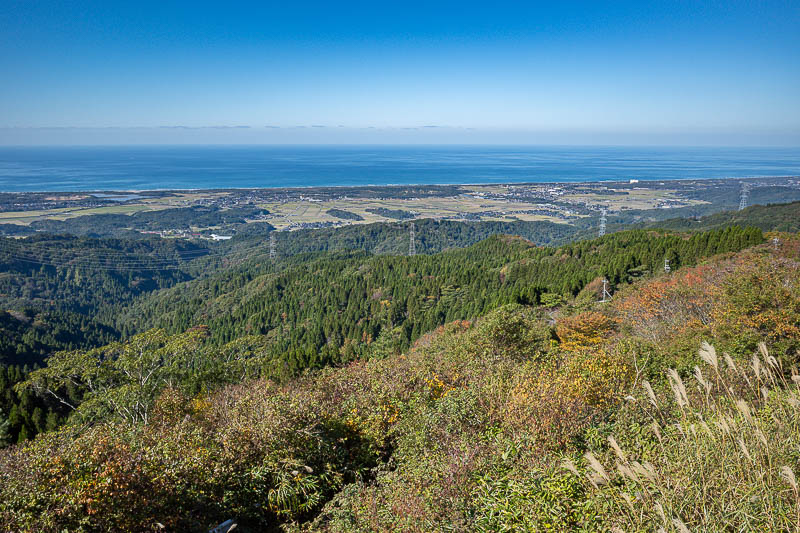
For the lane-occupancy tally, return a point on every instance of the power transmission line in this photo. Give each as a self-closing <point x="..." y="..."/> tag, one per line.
<point x="412" y="248"/>
<point x="743" y="196"/>
<point x="602" y="230"/>
<point x="606" y="294"/>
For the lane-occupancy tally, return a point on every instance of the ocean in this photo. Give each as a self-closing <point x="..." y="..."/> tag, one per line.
<point x="126" y="168"/>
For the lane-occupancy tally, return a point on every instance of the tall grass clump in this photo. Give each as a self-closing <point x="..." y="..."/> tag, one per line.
<point x="726" y="457"/>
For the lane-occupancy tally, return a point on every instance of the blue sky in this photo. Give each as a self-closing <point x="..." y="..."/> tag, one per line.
<point x="408" y="72"/>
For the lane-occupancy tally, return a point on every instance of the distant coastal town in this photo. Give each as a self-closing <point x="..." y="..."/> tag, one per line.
<point x="220" y="214"/>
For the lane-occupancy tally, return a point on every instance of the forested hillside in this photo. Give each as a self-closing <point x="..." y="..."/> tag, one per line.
<point x="432" y="236"/>
<point x="767" y="217"/>
<point x="301" y="311"/>
<point x="671" y="406"/>
<point x="61" y="293"/>
<point x="27" y="337"/>
<point x="331" y="309"/>
<point x="96" y="277"/>
<point x="777" y="217"/>
<point x="86" y="275"/>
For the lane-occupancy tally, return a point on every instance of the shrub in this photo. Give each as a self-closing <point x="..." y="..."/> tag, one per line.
<point x="584" y="330"/>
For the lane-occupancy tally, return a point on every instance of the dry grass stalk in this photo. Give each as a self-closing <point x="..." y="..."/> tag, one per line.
<point x="787" y="474"/>
<point x="771" y="361"/>
<point x="744" y="408"/>
<point x="600" y="475"/>
<point x="680" y="526"/>
<point x="645" y="470"/>
<point x="617" y="450"/>
<point x="709" y="354"/>
<point x="723" y="425"/>
<point x="743" y="447"/>
<point x="650" y="394"/>
<point x="698" y="375"/>
<point x="678" y="388"/>
<point x="657" y="431"/>
<point x="569" y="465"/>
<point x="758" y="370"/>
<point x="730" y="363"/>
<point x="762" y="438"/>
<point x="626" y="472"/>
<point x="628" y="500"/>
<point x="661" y="513"/>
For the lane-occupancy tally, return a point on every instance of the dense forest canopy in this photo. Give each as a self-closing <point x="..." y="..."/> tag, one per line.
<point x="330" y="309"/>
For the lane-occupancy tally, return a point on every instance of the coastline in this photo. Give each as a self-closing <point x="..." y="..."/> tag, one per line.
<point x="306" y="188"/>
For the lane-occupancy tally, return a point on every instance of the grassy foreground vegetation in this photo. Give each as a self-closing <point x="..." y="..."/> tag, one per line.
<point x="674" y="406"/>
